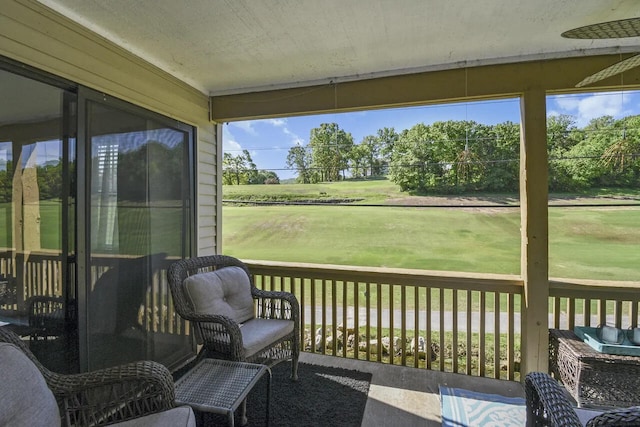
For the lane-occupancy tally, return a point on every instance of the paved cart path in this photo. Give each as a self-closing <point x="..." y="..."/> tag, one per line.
<point x="490" y="321"/>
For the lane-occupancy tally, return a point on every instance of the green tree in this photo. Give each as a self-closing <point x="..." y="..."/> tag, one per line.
<point x="359" y="159"/>
<point x="457" y="155"/>
<point x="375" y="149"/>
<point x="373" y="154"/>
<point x="473" y="157"/>
<point x="500" y="153"/>
<point x="562" y="136"/>
<point x="299" y="158"/>
<point x="622" y="157"/>
<point x="50" y="180"/>
<point x="151" y="163"/>
<point x="6" y="184"/>
<point x="238" y="169"/>
<point x="413" y="166"/>
<point x="454" y="150"/>
<point x="264" y="177"/>
<point x="387" y="138"/>
<point x="330" y="147"/>
<point x="583" y="163"/>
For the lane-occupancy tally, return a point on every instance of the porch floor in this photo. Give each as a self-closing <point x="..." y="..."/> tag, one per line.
<point x="401" y="396"/>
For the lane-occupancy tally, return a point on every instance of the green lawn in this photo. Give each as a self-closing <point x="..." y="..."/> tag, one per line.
<point x="371" y="191"/>
<point x="50" y="224"/>
<point x="584" y="242"/>
<point x="595" y="243"/>
<point x="589" y="243"/>
<point x="142" y="229"/>
<point x="425" y="238"/>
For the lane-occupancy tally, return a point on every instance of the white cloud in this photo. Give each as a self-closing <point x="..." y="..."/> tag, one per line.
<point x="282" y="124"/>
<point x="587" y="107"/>
<point x="596" y="106"/>
<point x="277" y="122"/>
<point x="250" y="126"/>
<point x="230" y="145"/>
<point x="229" y="142"/>
<point x="567" y="102"/>
<point x="294" y="139"/>
<point x="246" y="126"/>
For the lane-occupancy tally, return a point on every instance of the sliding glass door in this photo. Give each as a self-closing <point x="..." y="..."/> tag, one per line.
<point x="37" y="205"/>
<point x="139" y="219"/>
<point x="96" y="199"/>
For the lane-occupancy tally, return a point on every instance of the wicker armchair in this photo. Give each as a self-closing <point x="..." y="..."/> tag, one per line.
<point x="548" y="405"/>
<point x="258" y="326"/>
<point x="47" y="317"/>
<point x="112" y="395"/>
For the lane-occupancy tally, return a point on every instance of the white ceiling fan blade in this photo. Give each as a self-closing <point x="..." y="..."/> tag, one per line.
<point x="617" y="68"/>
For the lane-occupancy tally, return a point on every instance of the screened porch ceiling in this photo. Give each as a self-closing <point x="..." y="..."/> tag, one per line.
<point x="231" y="49"/>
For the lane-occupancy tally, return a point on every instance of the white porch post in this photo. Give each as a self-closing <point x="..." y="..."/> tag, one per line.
<point x="534" y="231"/>
<point x="218" y="197"/>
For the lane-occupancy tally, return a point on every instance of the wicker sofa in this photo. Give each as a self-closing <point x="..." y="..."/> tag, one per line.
<point x="549" y="405"/>
<point x="136" y="394"/>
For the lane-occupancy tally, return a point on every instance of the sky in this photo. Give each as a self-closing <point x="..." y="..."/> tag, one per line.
<point x="269" y="140"/>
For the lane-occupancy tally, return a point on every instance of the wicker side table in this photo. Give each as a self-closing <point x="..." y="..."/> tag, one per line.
<point x="592" y="378"/>
<point x="220" y="386"/>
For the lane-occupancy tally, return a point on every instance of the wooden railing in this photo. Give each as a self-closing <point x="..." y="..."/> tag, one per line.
<point x="451" y="322"/>
<point x="444" y="321"/>
<point x="40" y="273"/>
<point x="593" y="303"/>
<point x="464" y="323"/>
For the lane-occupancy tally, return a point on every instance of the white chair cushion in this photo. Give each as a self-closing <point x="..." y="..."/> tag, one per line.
<point x="181" y="416"/>
<point x="259" y="333"/>
<point x="224" y="292"/>
<point x="25" y="398"/>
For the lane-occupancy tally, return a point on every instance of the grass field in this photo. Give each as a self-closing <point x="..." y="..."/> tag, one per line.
<point x="387" y="228"/>
<point x="426" y="238"/>
<point x="584" y="242"/>
<point x="142" y="230"/>
<point x="50" y="224"/>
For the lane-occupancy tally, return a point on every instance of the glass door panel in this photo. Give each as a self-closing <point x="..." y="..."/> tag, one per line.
<point x="138" y="195"/>
<point x="37" y="289"/>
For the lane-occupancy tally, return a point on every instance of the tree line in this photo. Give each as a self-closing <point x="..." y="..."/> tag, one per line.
<point x="240" y="169"/>
<point x="461" y="156"/>
<point x="48" y="177"/>
<point x="140" y="172"/>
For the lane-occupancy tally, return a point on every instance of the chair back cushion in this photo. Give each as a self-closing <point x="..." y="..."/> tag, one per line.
<point x="224" y="292"/>
<point x="25" y="398"/>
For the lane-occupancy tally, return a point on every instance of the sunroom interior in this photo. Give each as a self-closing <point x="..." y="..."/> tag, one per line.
<point x="93" y="91"/>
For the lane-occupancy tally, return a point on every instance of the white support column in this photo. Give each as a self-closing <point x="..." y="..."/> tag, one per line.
<point x="218" y="210"/>
<point x="534" y="231"/>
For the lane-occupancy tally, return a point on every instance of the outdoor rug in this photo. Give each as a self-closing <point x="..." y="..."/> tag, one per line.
<point x="322" y="396"/>
<point x="465" y="408"/>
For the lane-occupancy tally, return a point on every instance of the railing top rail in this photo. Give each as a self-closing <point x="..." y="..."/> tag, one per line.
<point x="395" y="276"/>
<point x="594" y="289"/>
